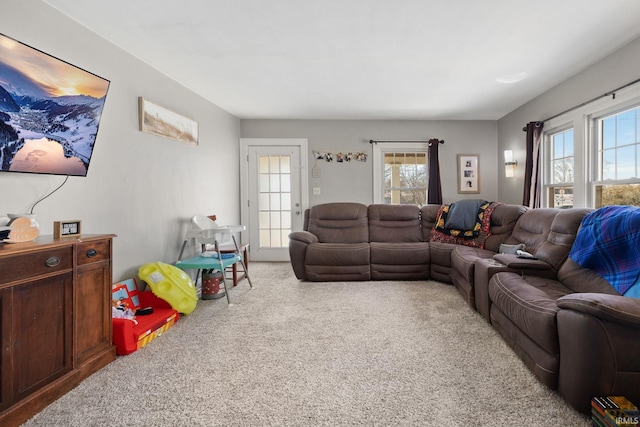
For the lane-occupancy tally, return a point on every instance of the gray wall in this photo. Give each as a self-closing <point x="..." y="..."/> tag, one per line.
<point x="145" y="188"/>
<point x="141" y="187"/>
<point x="352" y="181"/>
<point x="617" y="69"/>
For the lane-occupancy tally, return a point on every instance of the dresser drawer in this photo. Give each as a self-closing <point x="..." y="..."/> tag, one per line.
<point x="95" y="251"/>
<point x="28" y="266"/>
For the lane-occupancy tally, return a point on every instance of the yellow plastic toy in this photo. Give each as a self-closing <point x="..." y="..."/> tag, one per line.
<point x="171" y="284"/>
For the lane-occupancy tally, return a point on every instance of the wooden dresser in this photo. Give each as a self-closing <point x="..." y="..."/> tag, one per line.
<point x="55" y="319"/>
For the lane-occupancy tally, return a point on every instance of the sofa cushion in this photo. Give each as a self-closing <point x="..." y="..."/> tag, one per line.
<point x="337" y="262"/>
<point x="337" y="254"/>
<point x="440" y="254"/>
<point x="463" y="259"/>
<point x="562" y="233"/>
<point x="582" y="280"/>
<point x="484" y="269"/>
<point x="428" y="216"/>
<point x="394" y="223"/>
<point x="532" y="228"/>
<point x="530" y="303"/>
<point x="400" y="253"/>
<point x="339" y="223"/>
<point x="503" y="221"/>
<point x="542" y="364"/>
<point x="400" y="261"/>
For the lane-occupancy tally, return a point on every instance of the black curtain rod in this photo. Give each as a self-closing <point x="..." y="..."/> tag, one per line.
<point x="373" y="141"/>
<point x="610" y="93"/>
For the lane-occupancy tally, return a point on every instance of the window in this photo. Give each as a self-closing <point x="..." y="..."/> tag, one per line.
<point x="405" y="178"/>
<point x="274" y="200"/>
<point x="591" y="154"/>
<point x="400" y="172"/>
<point x="618" y="159"/>
<point x="560" y="190"/>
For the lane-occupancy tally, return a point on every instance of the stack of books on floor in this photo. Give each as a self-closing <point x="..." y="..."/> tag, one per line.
<point x="614" y="411"/>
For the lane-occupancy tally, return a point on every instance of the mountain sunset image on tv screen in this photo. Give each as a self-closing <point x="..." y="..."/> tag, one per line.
<point x="49" y="112"/>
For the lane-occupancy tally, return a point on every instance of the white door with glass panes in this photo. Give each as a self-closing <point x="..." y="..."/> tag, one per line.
<point x="273" y="194"/>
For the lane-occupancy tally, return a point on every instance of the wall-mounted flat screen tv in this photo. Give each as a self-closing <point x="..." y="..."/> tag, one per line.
<point x="49" y="112"/>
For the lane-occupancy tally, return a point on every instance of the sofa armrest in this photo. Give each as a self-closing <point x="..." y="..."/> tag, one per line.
<point x="599" y="336"/>
<point x="613" y="308"/>
<point x="123" y="336"/>
<point x="298" y="243"/>
<point x="303" y="236"/>
<point x="485" y="268"/>
<point x="515" y="263"/>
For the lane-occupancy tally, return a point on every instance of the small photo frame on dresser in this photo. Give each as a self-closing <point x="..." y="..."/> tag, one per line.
<point x="69" y="228"/>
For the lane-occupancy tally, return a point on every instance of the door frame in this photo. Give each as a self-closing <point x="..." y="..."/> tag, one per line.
<point x="245" y="145"/>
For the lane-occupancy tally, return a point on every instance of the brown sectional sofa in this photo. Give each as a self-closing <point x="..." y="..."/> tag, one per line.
<point x="567" y="324"/>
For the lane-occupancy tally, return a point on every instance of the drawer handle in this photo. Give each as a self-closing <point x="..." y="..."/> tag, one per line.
<point x="91" y="253"/>
<point x="53" y="261"/>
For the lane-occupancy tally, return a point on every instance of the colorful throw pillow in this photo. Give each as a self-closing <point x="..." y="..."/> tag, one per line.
<point x="474" y="238"/>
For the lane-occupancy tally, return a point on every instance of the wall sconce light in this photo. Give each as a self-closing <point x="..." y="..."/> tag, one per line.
<point x="509" y="164"/>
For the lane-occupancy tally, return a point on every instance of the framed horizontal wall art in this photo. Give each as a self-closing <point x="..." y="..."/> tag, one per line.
<point x="159" y="121"/>
<point x="468" y="173"/>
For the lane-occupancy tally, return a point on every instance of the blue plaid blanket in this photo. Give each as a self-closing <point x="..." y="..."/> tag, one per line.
<point x="608" y="242"/>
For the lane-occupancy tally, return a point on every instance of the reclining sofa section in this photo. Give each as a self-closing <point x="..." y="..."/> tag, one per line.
<point x="334" y="245"/>
<point x="351" y="241"/>
<point x="570" y="327"/>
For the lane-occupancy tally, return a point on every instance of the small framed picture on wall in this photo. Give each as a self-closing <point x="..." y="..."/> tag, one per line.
<point x="468" y="173"/>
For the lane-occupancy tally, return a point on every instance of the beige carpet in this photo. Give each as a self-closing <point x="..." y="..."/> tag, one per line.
<point x="293" y="353"/>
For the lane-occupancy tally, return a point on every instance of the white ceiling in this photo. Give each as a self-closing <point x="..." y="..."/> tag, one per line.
<point x="364" y="59"/>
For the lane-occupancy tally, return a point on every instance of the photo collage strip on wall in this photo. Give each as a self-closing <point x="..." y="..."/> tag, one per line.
<point x="340" y="156"/>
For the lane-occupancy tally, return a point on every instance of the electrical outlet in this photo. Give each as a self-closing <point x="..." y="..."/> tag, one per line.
<point x="316" y="191"/>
